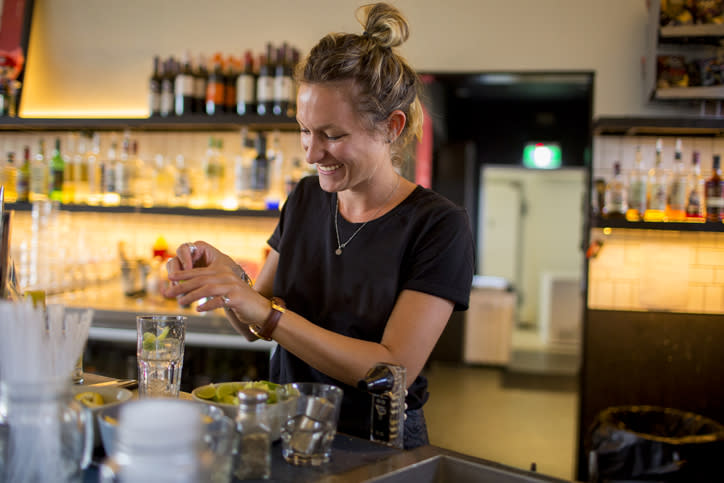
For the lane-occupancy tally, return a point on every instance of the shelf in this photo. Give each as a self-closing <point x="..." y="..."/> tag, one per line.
<point x="697" y="33"/>
<point x="196" y="122"/>
<point x="690" y="93"/>
<point x="667" y="226"/>
<point x="161" y="210"/>
<point x="659" y="126"/>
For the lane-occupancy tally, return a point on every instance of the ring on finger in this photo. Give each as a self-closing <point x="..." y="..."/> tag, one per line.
<point x="192" y="248"/>
<point x="226" y="300"/>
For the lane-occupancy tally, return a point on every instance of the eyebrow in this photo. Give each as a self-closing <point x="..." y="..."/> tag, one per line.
<point x="320" y="128"/>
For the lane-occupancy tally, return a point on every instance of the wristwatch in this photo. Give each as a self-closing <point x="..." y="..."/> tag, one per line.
<point x="278" y="307"/>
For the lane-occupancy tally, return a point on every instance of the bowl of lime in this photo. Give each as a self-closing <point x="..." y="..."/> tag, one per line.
<point x="281" y="398"/>
<point x="95" y="398"/>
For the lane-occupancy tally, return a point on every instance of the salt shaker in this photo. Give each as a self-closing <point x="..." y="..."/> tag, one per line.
<point x="387" y="384"/>
<point x="253" y="460"/>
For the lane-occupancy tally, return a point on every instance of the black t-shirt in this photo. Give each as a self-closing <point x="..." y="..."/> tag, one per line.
<point x="423" y="244"/>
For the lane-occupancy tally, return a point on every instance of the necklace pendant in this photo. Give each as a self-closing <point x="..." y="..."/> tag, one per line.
<point x="338" y="251"/>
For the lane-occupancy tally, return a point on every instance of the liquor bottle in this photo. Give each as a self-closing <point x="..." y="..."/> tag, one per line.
<point x="141" y="179"/>
<point x="387" y="384"/>
<point x="246" y="87"/>
<point x="215" y="88"/>
<point x="70" y="169"/>
<point x="676" y="199"/>
<point x="167" y="87"/>
<point x="253" y="459"/>
<point x="39" y="175"/>
<point x="636" y="198"/>
<point x="80" y="171"/>
<point x="260" y="171"/>
<point x="94" y="166"/>
<point x="714" y="193"/>
<point x="201" y="75"/>
<point x="10" y="179"/>
<point x="154" y="92"/>
<point x="275" y="155"/>
<point x="163" y="181"/>
<point x="282" y="83"/>
<point x="213" y="170"/>
<point x="695" y="191"/>
<point x="57" y="171"/>
<point x="615" y="204"/>
<point x="265" y="83"/>
<point x="656" y="199"/>
<point x="123" y="172"/>
<point x="109" y="169"/>
<point x="242" y="170"/>
<point x="182" y="182"/>
<point x="22" y="184"/>
<point x="184" y="95"/>
<point x="230" y="74"/>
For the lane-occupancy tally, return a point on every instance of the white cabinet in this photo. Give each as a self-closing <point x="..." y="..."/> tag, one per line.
<point x="489" y="326"/>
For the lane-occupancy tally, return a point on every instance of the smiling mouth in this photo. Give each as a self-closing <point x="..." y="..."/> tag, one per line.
<point x="328" y="168"/>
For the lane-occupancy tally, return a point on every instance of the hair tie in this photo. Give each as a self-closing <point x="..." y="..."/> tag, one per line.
<point x="365" y="34"/>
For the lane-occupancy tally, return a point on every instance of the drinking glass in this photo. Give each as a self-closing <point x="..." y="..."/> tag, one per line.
<point x="308" y="434"/>
<point x="160" y="354"/>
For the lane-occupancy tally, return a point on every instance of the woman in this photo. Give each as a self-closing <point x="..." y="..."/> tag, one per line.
<point x="370" y="265"/>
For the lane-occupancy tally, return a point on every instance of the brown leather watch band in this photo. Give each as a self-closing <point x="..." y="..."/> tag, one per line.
<point x="265" y="331"/>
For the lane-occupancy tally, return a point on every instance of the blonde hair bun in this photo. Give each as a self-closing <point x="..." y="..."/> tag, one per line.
<point x="384" y="24"/>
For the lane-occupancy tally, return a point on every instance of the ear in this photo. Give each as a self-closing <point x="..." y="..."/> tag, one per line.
<point x="395" y="124"/>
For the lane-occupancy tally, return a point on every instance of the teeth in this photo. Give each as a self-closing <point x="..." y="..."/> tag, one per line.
<point x="328" y="168"/>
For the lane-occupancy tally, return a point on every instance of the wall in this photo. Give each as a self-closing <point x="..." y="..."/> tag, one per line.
<point x="93" y="57"/>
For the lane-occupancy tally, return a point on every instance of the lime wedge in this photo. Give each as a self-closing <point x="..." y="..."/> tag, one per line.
<point x="206" y="392"/>
<point x="163" y="334"/>
<point x="90" y="399"/>
<point x="226" y="389"/>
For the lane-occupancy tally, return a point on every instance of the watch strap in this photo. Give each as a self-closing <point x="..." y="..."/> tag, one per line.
<point x="266" y="330"/>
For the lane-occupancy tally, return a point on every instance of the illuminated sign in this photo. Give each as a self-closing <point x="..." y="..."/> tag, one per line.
<point x="542" y="156"/>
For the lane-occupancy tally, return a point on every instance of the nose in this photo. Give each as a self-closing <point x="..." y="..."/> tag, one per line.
<point x="313" y="149"/>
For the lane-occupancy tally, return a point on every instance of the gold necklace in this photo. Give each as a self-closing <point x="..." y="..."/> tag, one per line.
<point x="340" y="246"/>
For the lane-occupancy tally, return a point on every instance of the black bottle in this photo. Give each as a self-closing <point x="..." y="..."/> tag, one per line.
<point x="184" y="88"/>
<point x="154" y="86"/>
<point x="265" y="84"/>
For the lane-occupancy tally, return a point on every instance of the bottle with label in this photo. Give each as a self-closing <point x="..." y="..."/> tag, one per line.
<point x="695" y="191"/>
<point x="387" y="384"/>
<point x="57" y="172"/>
<point x="676" y="199"/>
<point x="282" y="83"/>
<point x="656" y="199"/>
<point x="39" y="175"/>
<point x="163" y="182"/>
<point x="141" y="179"/>
<point x="80" y="170"/>
<point x="22" y="184"/>
<point x="246" y="87"/>
<point x="123" y="172"/>
<point x="265" y="83"/>
<point x="231" y="72"/>
<point x="215" y="88"/>
<point x="253" y="459"/>
<point x="10" y="179"/>
<point x="714" y="193"/>
<point x="182" y="183"/>
<point x="94" y="166"/>
<point x="69" y="176"/>
<point x="213" y="171"/>
<point x="154" y="89"/>
<point x="615" y="204"/>
<point x="275" y="195"/>
<point x="184" y="93"/>
<point x="168" y="81"/>
<point x="242" y="169"/>
<point x="109" y="169"/>
<point x="636" y="196"/>
<point x="260" y="172"/>
<point x="201" y="75"/>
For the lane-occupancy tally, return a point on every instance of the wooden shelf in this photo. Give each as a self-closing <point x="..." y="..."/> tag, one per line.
<point x="667" y="226"/>
<point x="160" y="210"/>
<point x="196" y="122"/>
<point x="659" y="126"/>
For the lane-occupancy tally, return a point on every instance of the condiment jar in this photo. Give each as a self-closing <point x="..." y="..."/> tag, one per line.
<point x="253" y="460"/>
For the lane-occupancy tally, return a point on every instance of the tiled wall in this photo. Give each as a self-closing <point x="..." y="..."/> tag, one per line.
<point x="655" y="269"/>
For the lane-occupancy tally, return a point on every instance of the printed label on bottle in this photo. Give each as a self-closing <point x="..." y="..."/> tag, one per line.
<point x="154" y="102"/>
<point x="381" y="413"/>
<point x="677" y="196"/>
<point x="245" y="89"/>
<point x="200" y="88"/>
<point x="715" y="202"/>
<point x="265" y="89"/>
<point x="637" y="196"/>
<point x="166" y="102"/>
<point x="215" y="93"/>
<point x="658" y="199"/>
<point x="184" y="85"/>
<point x="282" y="88"/>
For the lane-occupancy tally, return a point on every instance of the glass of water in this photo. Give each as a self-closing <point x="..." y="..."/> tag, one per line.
<point x="160" y="354"/>
<point x="308" y="434"/>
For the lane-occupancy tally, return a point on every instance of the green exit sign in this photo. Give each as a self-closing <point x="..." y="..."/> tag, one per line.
<point x="542" y="156"/>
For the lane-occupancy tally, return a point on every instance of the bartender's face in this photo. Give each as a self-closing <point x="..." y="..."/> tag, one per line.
<point x="336" y="140"/>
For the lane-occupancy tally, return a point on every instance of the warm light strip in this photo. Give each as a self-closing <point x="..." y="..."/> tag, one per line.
<point x="86" y="114"/>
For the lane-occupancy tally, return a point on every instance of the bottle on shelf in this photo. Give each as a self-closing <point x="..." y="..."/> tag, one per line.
<point x="695" y="191"/>
<point x="141" y="178"/>
<point x="246" y="87"/>
<point x="260" y="172"/>
<point x="265" y="83"/>
<point x="275" y="155"/>
<point x="231" y="72"/>
<point x="292" y="109"/>
<point x="154" y="91"/>
<point x="94" y="166"/>
<point x="167" y="87"/>
<point x="80" y="170"/>
<point x="57" y="172"/>
<point x="39" y="175"/>
<point x="22" y="182"/>
<point x="10" y="179"/>
<point x="69" y="176"/>
<point x="242" y="170"/>
<point x="676" y="198"/>
<point x="615" y="204"/>
<point x="215" y="89"/>
<point x="163" y="181"/>
<point x="656" y="198"/>
<point x="636" y="193"/>
<point x="184" y="93"/>
<point x="213" y="171"/>
<point x="182" y="181"/>
<point x="714" y="193"/>
<point x="109" y="169"/>
<point x="201" y="75"/>
<point x="123" y="172"/>
<point x="282" y="82"/>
